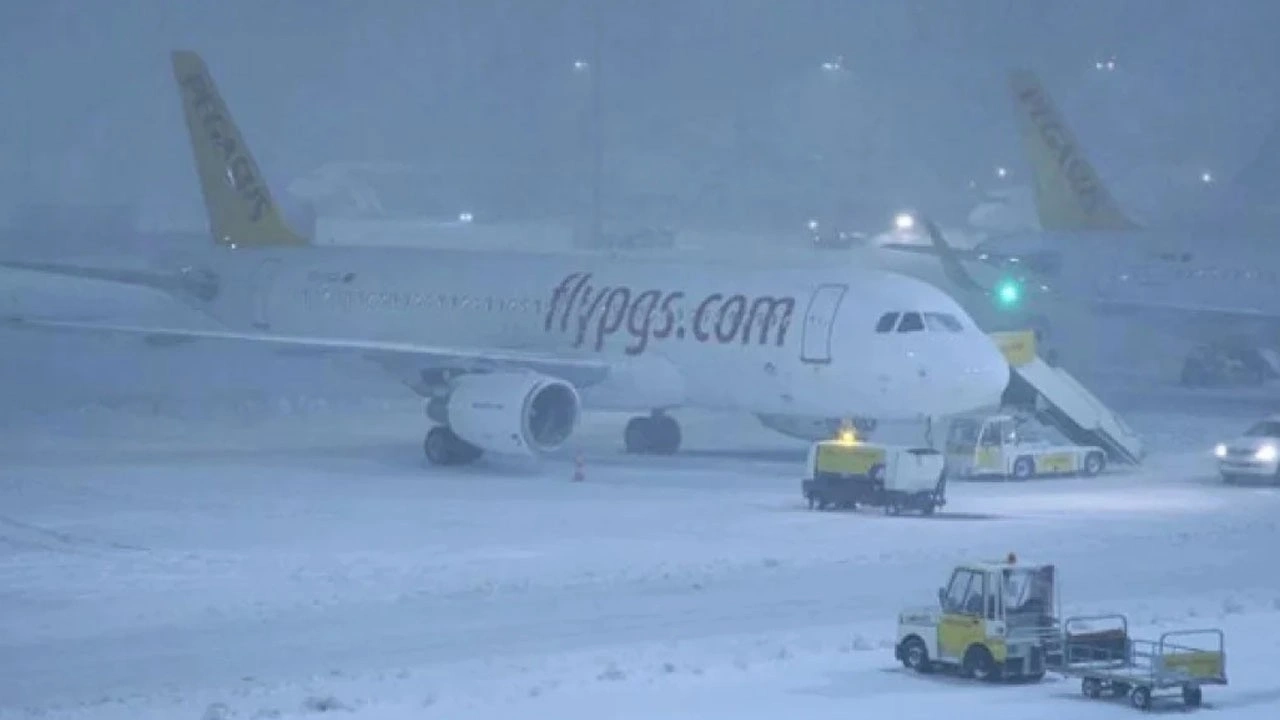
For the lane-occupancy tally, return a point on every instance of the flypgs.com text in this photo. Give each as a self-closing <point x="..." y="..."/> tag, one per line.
<point x="593" y="314"/>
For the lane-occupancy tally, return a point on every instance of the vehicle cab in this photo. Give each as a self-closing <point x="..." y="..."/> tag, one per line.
<point x="1008" y="446"/>
<point x="993" y="620"/>
<point x="1255" y="453"/>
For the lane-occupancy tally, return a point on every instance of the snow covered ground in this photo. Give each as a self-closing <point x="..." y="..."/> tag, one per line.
<point x="294" y="558"/>
<point x="211" y="532"/>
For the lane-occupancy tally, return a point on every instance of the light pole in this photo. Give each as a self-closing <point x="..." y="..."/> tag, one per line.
<point x="597" y="130"/>
<point x="590" y="230"/>
<point x="834" y="108"/>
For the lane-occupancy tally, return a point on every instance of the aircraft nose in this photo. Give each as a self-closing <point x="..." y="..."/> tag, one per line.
<point x="951" y="388"/>
<point x="986" y="376"/>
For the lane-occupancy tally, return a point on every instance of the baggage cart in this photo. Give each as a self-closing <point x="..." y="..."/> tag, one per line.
<point x="1110" y="662"/>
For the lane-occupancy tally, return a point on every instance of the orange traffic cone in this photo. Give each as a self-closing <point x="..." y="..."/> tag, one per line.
<point x="579" y="472"/>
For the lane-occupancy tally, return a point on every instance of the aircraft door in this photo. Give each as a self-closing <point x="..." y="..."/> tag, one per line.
<point x="262" y="282"/>
<point x="819" y="319"/>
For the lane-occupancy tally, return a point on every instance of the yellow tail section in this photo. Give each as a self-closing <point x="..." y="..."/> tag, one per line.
<point x="241" y="210"/>
<point x="1069" y="194"/>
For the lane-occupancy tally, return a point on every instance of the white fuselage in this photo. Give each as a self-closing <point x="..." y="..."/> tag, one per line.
<point x="1200" y="287"/>
<point x="785" y="341"/>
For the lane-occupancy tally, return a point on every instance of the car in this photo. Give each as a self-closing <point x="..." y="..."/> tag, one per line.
<point x="1254" y="454"/>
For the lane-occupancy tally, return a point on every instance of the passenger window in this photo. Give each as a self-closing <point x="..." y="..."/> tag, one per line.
<point x="973" y="598"/>
<point x="965" y="593"/>
<point x="911" y="322"/>
<point x="938" y="322"/>
<point x="957" y="589"/>
<point x="990" y="437"/>
<point x="886" y="322"/>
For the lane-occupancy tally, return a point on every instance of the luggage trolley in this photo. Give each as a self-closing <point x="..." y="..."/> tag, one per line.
<point x="1109" y="661"/>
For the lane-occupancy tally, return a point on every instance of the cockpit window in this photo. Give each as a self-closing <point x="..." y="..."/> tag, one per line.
<point x="942" y="321"/>
<point x="886" y="322"/>
<point x="911" y="322"/>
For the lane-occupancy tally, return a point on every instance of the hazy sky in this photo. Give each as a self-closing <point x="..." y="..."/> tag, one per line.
<point x="707" y="99"/>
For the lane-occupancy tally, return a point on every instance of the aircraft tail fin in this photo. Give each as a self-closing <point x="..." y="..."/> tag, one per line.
<point x="1069" y="194"/>
<point x="242" y="212"/>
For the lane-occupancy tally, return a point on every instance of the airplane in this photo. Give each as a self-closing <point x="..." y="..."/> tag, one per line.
<point x="1203" y="288"/>
<point x="508" y="349"/>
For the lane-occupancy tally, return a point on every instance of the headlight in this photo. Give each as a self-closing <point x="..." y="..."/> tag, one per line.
<point x="1266" y="453"/>
<point x="1220" y="450"/>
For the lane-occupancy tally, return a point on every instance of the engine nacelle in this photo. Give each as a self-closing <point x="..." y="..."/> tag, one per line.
<point x="513" y="413"/>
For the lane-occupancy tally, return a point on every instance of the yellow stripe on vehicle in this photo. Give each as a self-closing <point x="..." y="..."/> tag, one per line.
<point x="848" y="459"/>
<point x="1056" y="463"/>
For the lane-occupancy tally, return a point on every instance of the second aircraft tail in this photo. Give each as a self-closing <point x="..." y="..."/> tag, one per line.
<point x="242" y="212"/>
<point x="1069" y="194"/>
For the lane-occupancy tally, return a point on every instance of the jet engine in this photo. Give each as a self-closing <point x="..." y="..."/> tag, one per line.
<point x="511" y="413"/>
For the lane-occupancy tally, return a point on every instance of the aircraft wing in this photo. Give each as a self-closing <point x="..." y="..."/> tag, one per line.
<point x="947" y="255"/>
<point x="1206" y="312"/>
<point x="124" y="276"/>
<point x="932" y="251"/>
<point x="580" y="371"/>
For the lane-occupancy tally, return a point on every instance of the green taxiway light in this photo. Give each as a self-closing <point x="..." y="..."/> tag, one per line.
<point x="1008" y="293"/>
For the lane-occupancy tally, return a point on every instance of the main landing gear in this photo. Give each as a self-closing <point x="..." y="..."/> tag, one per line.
<point x="657" y="434"/>
<point x="443" y="447"/>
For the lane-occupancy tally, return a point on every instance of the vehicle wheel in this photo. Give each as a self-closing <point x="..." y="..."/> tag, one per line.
<point x="1091" y="687"/>
<point x="876" y="473"/>
<point x="915" y="656"/>
<point x="979" y="665"/>
<point x="1191" y="695"/>
<point x="1094" y="463"/>
<point x="1140" y="698"/>
<point x="438" y="446"/>
<point x="1023" y="468"/>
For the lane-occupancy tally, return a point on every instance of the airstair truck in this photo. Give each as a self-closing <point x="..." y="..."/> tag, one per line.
<point x="1011" y="447"/>
<point x="1057" y="399"/>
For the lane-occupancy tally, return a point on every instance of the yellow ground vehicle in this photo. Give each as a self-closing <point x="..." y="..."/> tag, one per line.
<point x="999" y="620"/>
<point x="1008" y="446"/>
<point x="844" y="472"/>
<point x="993" y="620"/>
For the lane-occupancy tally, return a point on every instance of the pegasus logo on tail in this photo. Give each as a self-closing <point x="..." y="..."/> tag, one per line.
<point x="213" y="120"/>
<point x="1066" y="154"/>
<point x="1069" y="194"/>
